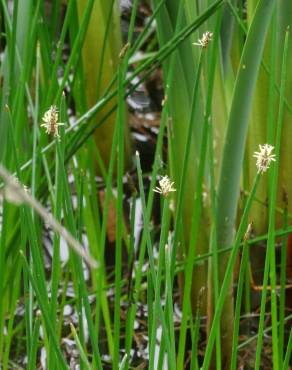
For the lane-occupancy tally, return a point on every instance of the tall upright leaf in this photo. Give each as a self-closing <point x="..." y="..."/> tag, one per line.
<point x="233" y="152"/>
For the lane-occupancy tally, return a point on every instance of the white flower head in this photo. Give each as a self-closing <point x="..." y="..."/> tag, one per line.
<point x="51" y="123"/>
<point x="165" y="186"/>
<point x="264" y="157"/>
<point x="204" y="41"/>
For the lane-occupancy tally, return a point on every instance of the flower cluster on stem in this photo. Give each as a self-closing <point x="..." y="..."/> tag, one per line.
<point x="204" y="41"/>
<point x="165" y="186"/>
<point x="264" y="157"/>
<point x="50" y="121"/>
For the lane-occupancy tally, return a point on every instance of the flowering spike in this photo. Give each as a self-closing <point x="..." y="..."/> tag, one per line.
<point x="264" y="157"/>
<point x="204" y="41"/>
<point x="51" y="123"/>
<point x="165" y="186"/>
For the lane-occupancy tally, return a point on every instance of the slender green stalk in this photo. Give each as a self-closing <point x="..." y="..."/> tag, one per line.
<point x="197" y="205"/>
<point x="80" y="348"/>
<point x="195" y="335"/>
<point x="157" y="288"/>
<point x="169" y="303"/>
<point x="272" y="205"/>
<point x="262" y="313"/>
<point x="288" y="352"/>
<point x="155" y="281"/>
<point x="56" y="264"/>
<point x="228" y="275"/>
<point x="243" y="265"/>
<point x="118" y="247"/>
<point x="186" y="156"/>
<point x="283" y="265"/>
<point x="34" y="346"/>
